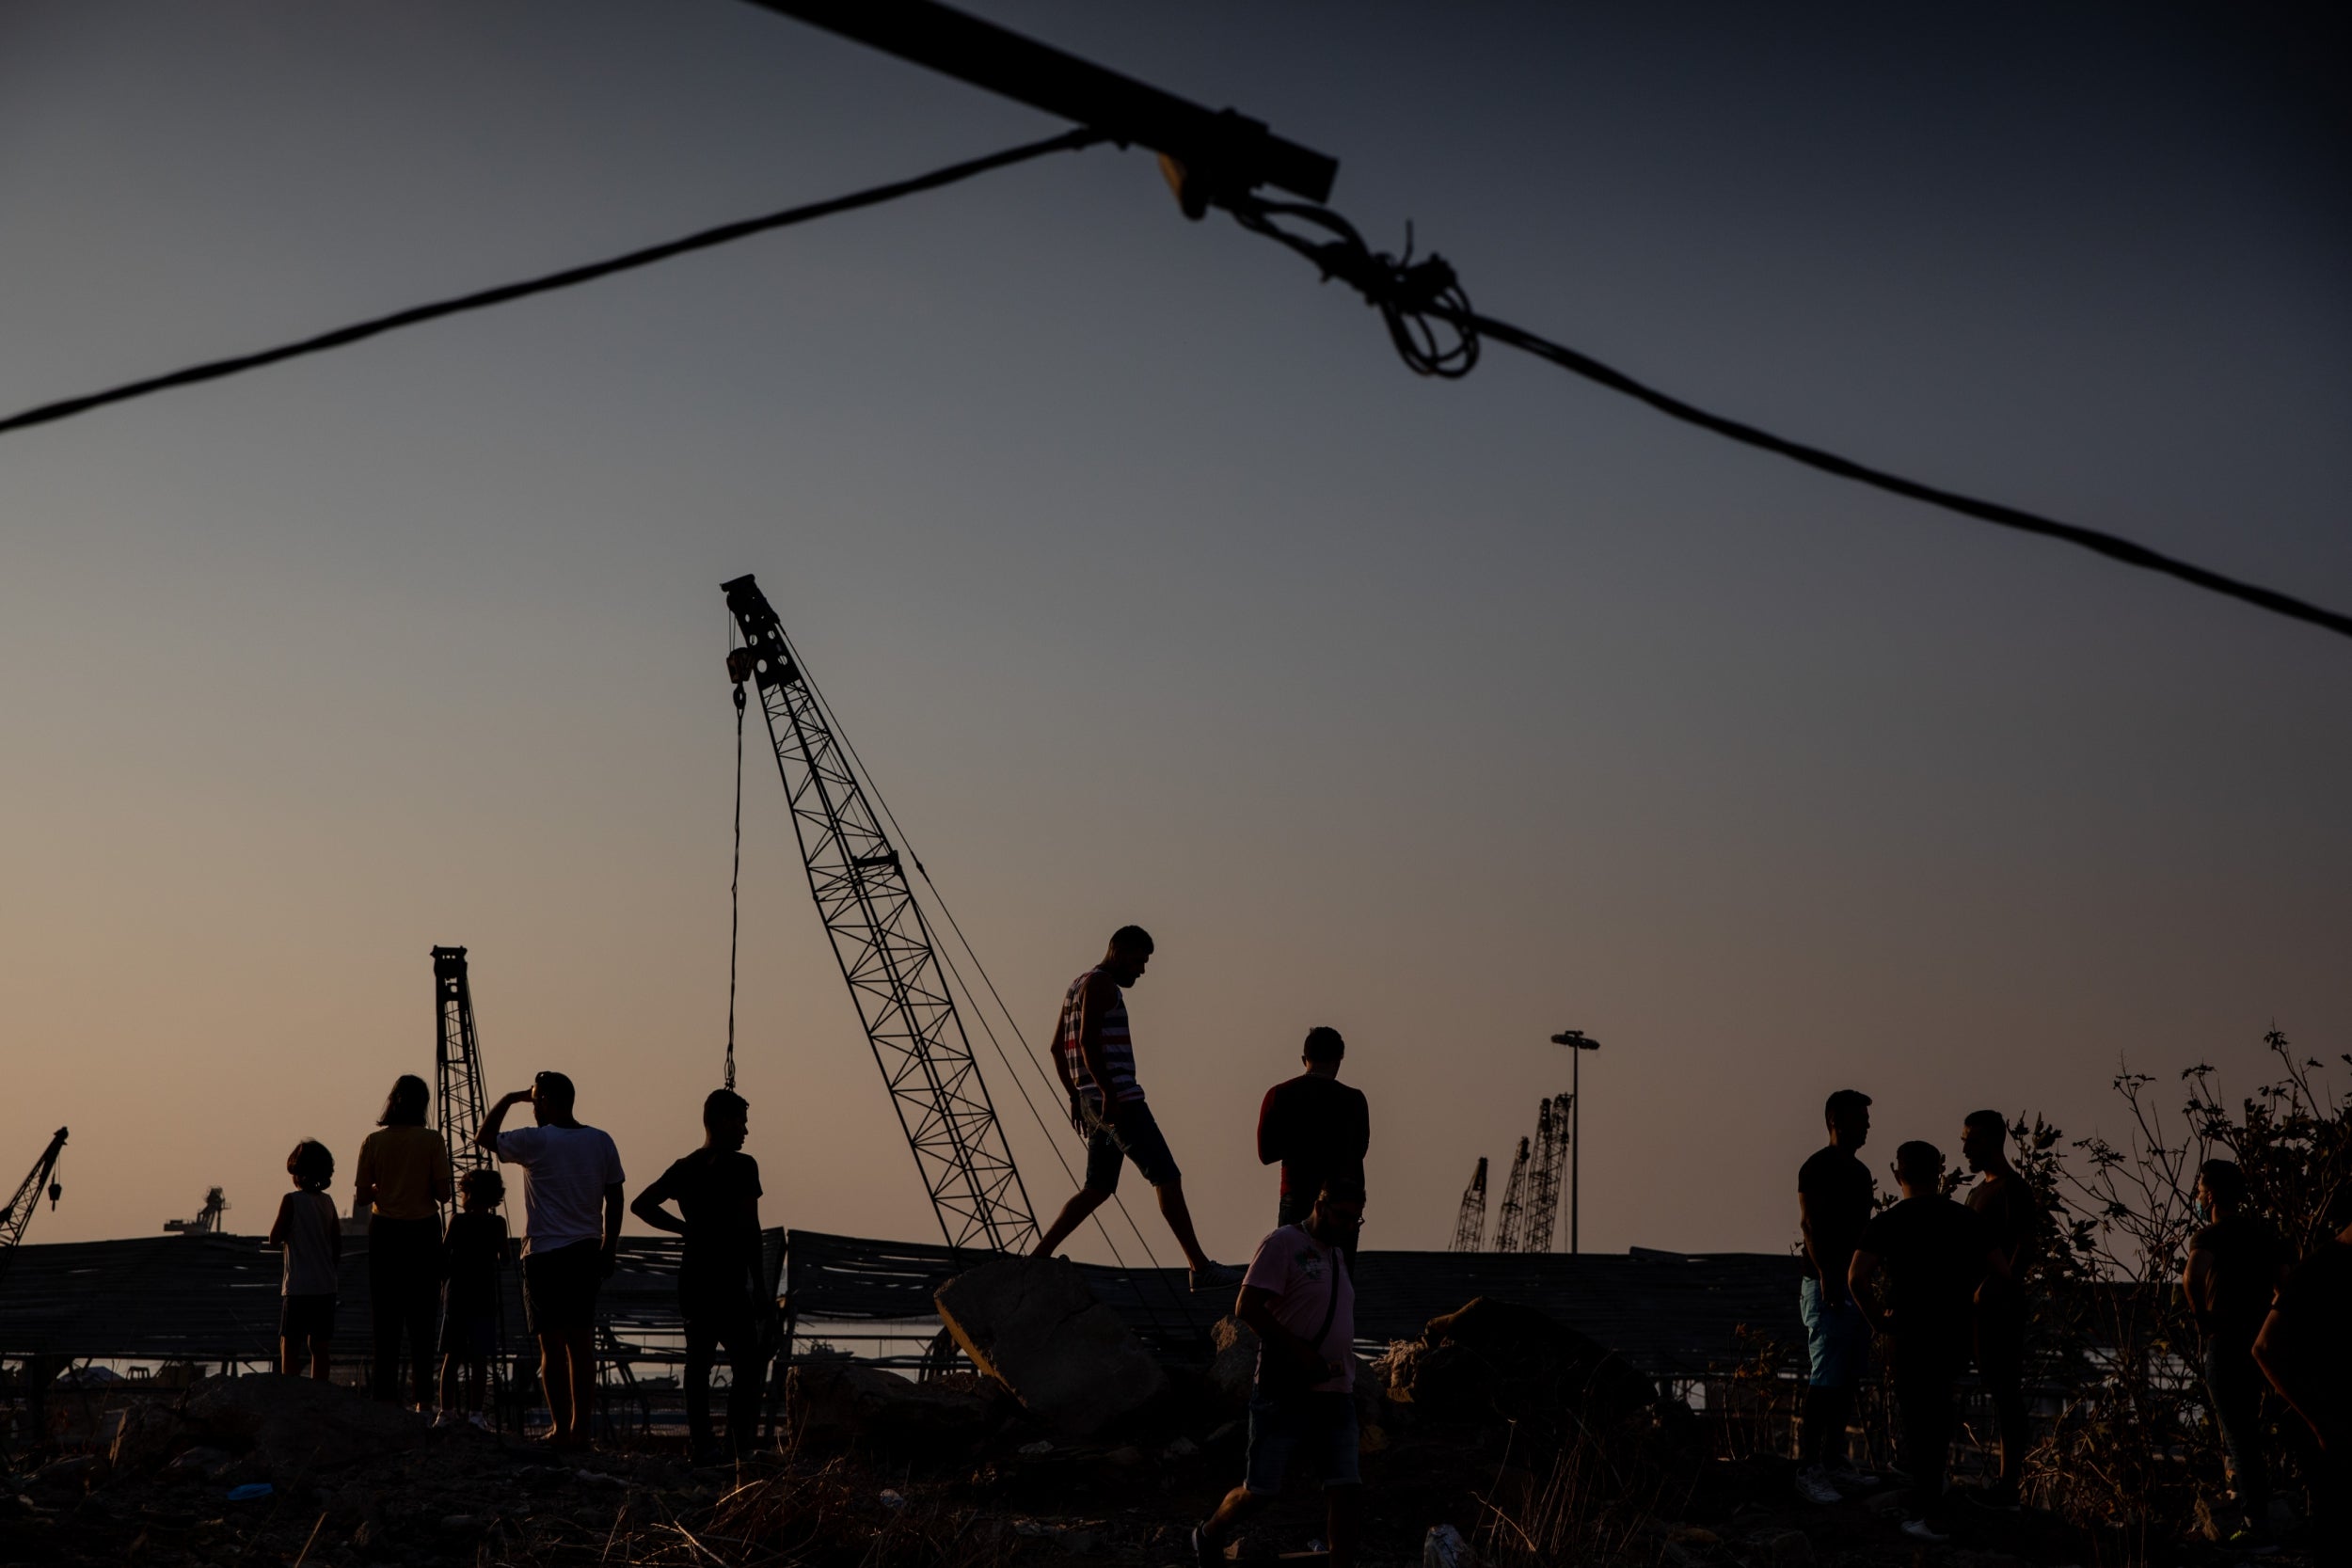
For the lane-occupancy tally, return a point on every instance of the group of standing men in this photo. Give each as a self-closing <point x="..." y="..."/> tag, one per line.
<point x="1956" y="1277"/>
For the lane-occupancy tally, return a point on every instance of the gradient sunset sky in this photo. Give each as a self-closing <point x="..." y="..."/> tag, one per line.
<point x="1154" y="589"/>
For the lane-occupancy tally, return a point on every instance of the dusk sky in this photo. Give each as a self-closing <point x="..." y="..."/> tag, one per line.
<point x="1153" y="588"/>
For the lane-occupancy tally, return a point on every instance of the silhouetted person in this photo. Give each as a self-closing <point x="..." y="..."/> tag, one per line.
<point x="2235" y="1263"/>
<point x="571" y="1240"/>
<point x="1834" y="1197"/>
<point x="1300" y="1298"/>
<point x="312" y="1238"/>
<point x="2013" y="1224"/>
<point x="1095" y="1056"/>
<point x="721" y="1284"/>
<point x="1315" y="1125"/>
<point x="475" y="1248"/>
<point x="2305" y="1349"/>
<point x="401" y="1177"/>
<point x="1935" y="1253"/>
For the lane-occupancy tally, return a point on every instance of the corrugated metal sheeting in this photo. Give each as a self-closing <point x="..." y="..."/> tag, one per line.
<point x="211" y="1299"/>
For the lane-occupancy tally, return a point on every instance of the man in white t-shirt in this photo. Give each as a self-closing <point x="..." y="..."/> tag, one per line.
<point x="1301" y="1301"/>
<point x="571" y="1180"/>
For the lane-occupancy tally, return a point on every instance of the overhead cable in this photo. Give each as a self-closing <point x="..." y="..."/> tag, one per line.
<point x="1437" y="333"/>
<point x="726" y="233"/>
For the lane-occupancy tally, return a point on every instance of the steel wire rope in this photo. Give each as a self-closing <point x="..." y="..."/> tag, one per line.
<point x="1416" y="298"/>
<point x="735" y="888"/>
<point x="483" y="299"/>
<point x="947" y="964"/>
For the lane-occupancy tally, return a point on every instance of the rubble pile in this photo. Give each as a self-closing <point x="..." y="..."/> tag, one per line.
<point x="1016" y="1466"/>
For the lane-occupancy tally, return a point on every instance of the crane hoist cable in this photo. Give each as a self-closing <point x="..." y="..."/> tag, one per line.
<point x="735" y="883"/>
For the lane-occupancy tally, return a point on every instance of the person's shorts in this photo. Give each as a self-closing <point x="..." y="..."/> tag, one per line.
<point x="1320" y="1426"/>
<point x="560" y="1287"/>
<point x="306" y="1318"/>
<point x="1128" y="1132"/>
<point x="470" y="1336"/>
<point x="722" y="1308"/>
<point x="1836" y="1338"/>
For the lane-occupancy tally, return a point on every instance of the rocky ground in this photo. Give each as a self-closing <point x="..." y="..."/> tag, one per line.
<point x="1530" y="1441"/>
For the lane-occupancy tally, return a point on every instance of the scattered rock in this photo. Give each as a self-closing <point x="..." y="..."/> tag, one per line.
<point x="1125" y="1457"/>
<point x="202" y="1463"/>
<point x="458" y="1521"/>
<point x="1033" y="1325"/>
<point x="144" y="1436"/>
<point x="1080" y="1543"/>
<point x="66" y="1475"/>
<point x="1183" y="1448"/>
<point x="1495" y="1357"/>
<point x="848" y="1404"/>
<point x="1041" y="1446"/>
<point x="297" y="1424"/>
<point x="1234" y="1360"/>
<point x="1443" y="1547"/>
<point x="1781" y="1548"/>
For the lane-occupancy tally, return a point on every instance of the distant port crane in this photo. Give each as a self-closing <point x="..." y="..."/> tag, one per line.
<point x="883" y="945"/>
<point x="208" y="1218"/>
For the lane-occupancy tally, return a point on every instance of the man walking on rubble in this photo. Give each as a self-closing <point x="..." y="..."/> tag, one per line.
<point x="2014" y="1222"/>
<point x="571" y="1240"/>
<point x="1095" y="1056"/>
<point x="1300" y="1298"/>
<point x="1935" y="1254"/>
<point x="1834" y="1197"/>
<point x="1316" y="1126"/>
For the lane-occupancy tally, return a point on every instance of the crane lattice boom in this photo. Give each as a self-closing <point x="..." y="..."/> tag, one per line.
<point x="1470" y="1227"/>
<point x="19" y="1212"/>
<point x="457" y="1065"/>
<point x="883" y="945"/>
<point x="1543" y="1175"/>
<point x="1511" y="1222"/>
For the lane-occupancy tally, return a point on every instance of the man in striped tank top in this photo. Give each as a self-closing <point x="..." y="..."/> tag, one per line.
<point x="1096" y="1057"/>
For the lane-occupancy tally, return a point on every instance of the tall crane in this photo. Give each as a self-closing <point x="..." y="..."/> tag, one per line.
<point x="1511" y="1224"/>
<point x="1543" y="1174"/>
<point x="19" y="1213"/>
<point x="457" y="1064"/>
<point x="1470" y="1227"/>
<point x="883" y="946"/>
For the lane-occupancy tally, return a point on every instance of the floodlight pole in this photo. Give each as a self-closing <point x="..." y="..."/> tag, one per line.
<point x="1578" y="1042"/>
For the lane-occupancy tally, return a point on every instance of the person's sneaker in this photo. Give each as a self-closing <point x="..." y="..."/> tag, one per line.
<point x="1204" y="1554"/>
<point x="1814" y="1486"/>
<point x="1215" y="1275"/>
<point x="444" y="1418"/>
<point x="1919" y="1530"/>
<point x="477" y="1420"/>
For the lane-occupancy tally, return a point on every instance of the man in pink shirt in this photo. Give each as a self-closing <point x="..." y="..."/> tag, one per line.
<point x="1298" y="1297"/>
